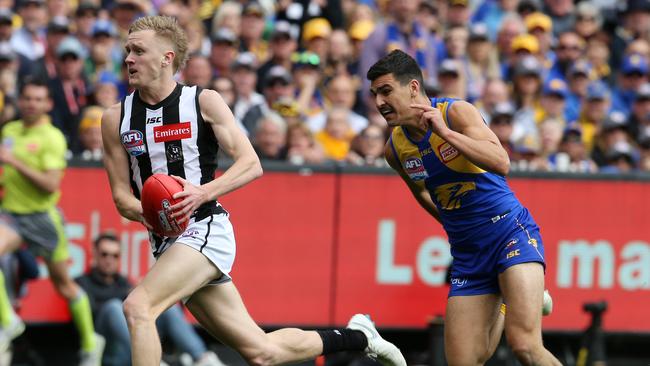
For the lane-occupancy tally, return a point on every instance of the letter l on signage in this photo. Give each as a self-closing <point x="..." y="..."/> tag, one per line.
<point x="387" y="271"/>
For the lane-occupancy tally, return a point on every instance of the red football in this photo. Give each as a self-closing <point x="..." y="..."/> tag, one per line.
<point x="156" y="199"/>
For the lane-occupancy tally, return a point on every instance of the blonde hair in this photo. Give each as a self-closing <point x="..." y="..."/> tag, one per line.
<point x="168" y="28"/>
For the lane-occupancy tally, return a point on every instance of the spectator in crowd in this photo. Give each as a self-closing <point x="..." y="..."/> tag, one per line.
<point x="282" y="45"/>
<point x="223" y="51"/>
<point x="562" y="12"/>
<point x="124" y="12"/>
<point x="339" y="54"/>
<point x="578" y="79"/>
<point x="458" y="13"/>
<point x="336" y="136"/>
<point x="597" y="53"/>
<point x="8" y="82"/>
<point x="501" y="124"/>
<point x="620" y="159"/>
<point x="299" y="12"/>
<point x="527" y="86"/>
<point x="105" y="57"/>
<point x="550" y="131"/>
<point x="245" y="78"/>
<point x="570" y="48"/>
<point x="573" y="148"/>
<point x="428" y="16"/>
<point x="640" y="114"/>
<point x="644" y="150"/>
<point x="495" y="91"/>
<point x="29" y="40"/>
<point x="197" y="40"/>
<point x="90" y="133"/>
<point x="634" y="24"/>
<point x="523" y="45"/>
<point x="554" y="99"/>
<point x="339" y="92"/>
<point x="451" y="79"/>
<point x="367" y="148"/>
<point x="481" y="63"/>
<point x="491" y="13"/>
<point x="228" y="15"/>
<point x="302" y="148"/>
<point x="594" y="110"/>
<point x="455" y="42"/>
<point x="511" y="27"/>
<point x="403" y="32"/>
<point x="226" y="88"/>
<point x="106" y="90"/>
<point x="107" y="289"/>
<point x="540" y="25"/>
<point x="640" y="47"/>
<point x="270" y="137"/>
<point x="6" y="24"/>
<point x="252" y="27"/>
<point x="70" y="90"/>
<point x="633" y="73"/>
<point x="307" y="73"/>
<point x="86" y="14"/>
<point x="315" y="37"/>
<point x="278" y="84"/>
<point x="57" y="29"/>
<point x="359" y="31"/>
<point x="613" y="130"/>
<point x="588" y="20"/>
<point x="197" y="71"/>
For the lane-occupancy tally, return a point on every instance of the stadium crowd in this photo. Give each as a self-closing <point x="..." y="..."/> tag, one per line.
<point x="564" y="85"/>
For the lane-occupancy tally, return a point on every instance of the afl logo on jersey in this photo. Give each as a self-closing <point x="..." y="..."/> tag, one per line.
<point x="447" y="152"/>
<point x="133" y="142"/>
<point x="415" y="169"/>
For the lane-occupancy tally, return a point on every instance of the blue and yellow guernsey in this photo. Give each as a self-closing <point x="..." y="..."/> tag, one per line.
<point x="469" y="199"/>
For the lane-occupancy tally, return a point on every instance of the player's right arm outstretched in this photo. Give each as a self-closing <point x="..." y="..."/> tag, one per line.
<point x="419" y="192"/>
<point x="116" y="163"/>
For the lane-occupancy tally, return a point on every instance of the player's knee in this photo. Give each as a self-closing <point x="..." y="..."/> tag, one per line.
<point x="524" y="345"/>
<point x="137" y="309"/>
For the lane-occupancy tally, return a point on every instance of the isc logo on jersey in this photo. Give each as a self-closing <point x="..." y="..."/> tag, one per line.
<point x="133" y="142"/>
<point x="415" y="169"/>
<point x="447" y="152"/>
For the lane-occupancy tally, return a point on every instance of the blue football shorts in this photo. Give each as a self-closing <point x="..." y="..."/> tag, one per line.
<point x="513" y="240"/>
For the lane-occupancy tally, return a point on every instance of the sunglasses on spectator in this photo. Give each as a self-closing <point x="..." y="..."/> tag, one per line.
<point x="306" y="59"/>
<point x="109" y="254"/>
<point x="372" y="136"/>
<point x="569" y="47"/>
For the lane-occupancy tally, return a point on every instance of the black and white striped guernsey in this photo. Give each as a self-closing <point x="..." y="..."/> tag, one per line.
<point x="170" y="137"/>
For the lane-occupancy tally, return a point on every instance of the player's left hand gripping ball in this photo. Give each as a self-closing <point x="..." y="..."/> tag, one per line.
<point x="157" y="199"/>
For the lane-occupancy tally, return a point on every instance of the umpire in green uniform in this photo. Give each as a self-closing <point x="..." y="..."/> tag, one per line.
<point x="33" y="157"/>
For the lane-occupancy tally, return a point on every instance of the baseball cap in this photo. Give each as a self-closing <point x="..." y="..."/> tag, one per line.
<point x="23" y="3"/>
<point x="6" y="52"/>
<point x="621" y="149"/>
<point x="528" y="6"/>
<point x="277" y="73"/>
<point x="244" y="60"/>
<point x="316" y="28"/>
<point x="286" y="107"/>
<point x="282" y="29"/>
<point x="635" y="6"/>
<point x="615" y="120"/>
<point x="361" y="29"/>
<point x="634" y="63"/>
<point x="458" y="2"/>
<point x="134" y="5"/>
<point x="526" y="42"/>
<point x="556" y="87"/>
<point x="6" y="16"/>
<point x="58" y="24"/>
<point x="70" y="45"/>
<point x="478" y="32"/>
<point x="538" y="20"/>
<point x="503" y="109"/>
<point x="597" y="90"/>
<point x="572" y="132"/>
<point x="528" y="65"/>
<point x="91" y="117"/>
<point x="224" y="35"/>
<point x="103" y="27"/>
<point x="448" y="66"/>
<point x="87" y="6"/>
<point x="643" y="93"/>
<point x="580" y="67"/>
<point x="253" y="8"/>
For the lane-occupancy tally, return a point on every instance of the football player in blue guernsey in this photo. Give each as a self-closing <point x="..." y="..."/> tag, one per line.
<point x="455" y="167"/>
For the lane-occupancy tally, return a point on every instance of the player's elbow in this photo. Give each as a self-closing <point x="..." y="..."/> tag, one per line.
<point x="256" y="168"/>
<point x="503" y="166"/>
